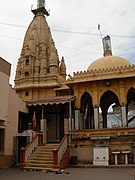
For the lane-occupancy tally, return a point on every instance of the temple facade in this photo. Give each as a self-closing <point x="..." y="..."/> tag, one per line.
<point x="104" y="110"/>
<point x="96" y="106"/>
<point x="39" y="75"/>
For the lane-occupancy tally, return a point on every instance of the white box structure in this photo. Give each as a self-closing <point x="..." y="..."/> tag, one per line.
<point x="100" y="156"/>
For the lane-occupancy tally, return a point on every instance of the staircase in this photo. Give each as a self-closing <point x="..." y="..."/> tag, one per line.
<point x="41" y="158"/>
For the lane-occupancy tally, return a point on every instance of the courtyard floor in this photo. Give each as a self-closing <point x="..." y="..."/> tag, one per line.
<point x="70" y="174"/>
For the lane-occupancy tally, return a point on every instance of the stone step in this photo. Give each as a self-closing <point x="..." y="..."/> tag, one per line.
<point x="47" y="147"/>
<point x="43" y="152"/>
<point x="42" y="155"/>
<point x="37" y="168"/>
<point x="40" y="158"/>
<point x="40" y="161"/>
<point x="39" y="165"/>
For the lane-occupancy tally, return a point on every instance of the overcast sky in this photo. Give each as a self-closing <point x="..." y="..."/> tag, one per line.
<point x="74" y="25"/>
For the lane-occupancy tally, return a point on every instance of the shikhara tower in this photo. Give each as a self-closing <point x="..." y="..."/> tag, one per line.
<point x="39" y="67"/>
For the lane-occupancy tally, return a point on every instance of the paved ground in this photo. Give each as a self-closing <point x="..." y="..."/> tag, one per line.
<point x="70" y="174"/>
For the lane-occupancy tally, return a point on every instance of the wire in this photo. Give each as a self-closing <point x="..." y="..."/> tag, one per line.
<point x="15" y="25"/>
<point x="9" y="37"/>
<point x="71" y="32"/>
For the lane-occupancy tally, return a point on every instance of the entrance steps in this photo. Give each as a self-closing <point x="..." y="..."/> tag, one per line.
<point x="41" y="158"/>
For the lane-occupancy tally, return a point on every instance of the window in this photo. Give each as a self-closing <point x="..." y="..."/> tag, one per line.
<point x="26" y="74"/>
<point x="27" y="61"/>
<point x="1" y="140"/>
<point x="26" y="93"/>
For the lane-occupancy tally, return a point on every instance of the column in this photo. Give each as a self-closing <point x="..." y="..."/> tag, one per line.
<point x="116" y="156"/>
<point x="43" y="129"/>
<point x="96" y="117"/>
<point x="104" y="116"/>
<point x="77" y="119"/>
<point x="66" y="125"/>
<point x="126" y="156"/>
<point x="42" y="112"/>
<point x="70" y="116"/>
<point x="123" y="115"/>
<point x="81" y="124"/>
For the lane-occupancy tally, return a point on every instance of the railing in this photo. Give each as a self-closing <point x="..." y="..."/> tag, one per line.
<point x="60" y="153"/>
<point x="25" y="152"/>
<point x="90" y="133"/>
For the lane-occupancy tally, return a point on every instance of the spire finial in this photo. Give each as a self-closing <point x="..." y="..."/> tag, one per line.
<point x="107" y="46"/>
<point x="40" y="3"/>
<point x="40" y="8"/>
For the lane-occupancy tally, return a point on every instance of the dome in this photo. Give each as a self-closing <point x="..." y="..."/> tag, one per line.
<point x="108" y="62"/>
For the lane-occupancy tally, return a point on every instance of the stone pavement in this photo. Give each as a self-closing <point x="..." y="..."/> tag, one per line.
<point x="70" y="174"/>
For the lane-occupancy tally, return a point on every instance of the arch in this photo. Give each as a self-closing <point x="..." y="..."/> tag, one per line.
<point x="109" y="99"/>
<point x="131" y="95"/>
<point x="87" y="111"/>
<point x="130" y="107"/>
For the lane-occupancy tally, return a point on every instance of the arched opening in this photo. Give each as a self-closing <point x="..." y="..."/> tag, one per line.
<point x="26" y="74"/>
<point x="87" y="110"/>
<point x="110" y="110"/>
<point x="27" y="61"/>
<point x="131" y="107"/>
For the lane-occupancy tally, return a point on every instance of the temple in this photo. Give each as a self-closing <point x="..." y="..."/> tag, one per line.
<point x="90" y="115"/>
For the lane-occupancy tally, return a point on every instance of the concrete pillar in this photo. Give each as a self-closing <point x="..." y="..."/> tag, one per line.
<point x="73" y="124"/>
<point x="123" y="115"/>
<point x="70" y="117"/>
<point x="43" y="128"/>
<point x="66" y="125"/>
<point x="96" y="117"/>
<point x="42" y="112"/>
<point x="81" y="124"/>
<point x="77" y="119"/>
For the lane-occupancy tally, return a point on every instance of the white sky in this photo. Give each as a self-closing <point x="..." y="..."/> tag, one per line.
<point x="116" y="18"/>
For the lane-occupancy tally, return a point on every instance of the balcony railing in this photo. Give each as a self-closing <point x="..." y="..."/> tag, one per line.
<point x="90" y="133"/>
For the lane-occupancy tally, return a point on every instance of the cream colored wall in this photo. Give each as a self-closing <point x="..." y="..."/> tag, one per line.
<point x="10" y="105"/>
<point x="85" y="154"/>
<point x="15" y="104"/>
<point x="83" y="151"/>
<point x="4" y="91"/>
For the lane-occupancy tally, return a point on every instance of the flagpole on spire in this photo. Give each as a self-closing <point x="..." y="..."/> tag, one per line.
<point x="99" y="29"/>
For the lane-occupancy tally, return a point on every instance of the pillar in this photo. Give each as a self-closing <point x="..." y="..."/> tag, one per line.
<point x="66" y="126"/>
<point x="77" y="119"/>
<point x="123" y="115"/>
<point x="42" y="112"/>
<point x="81" y="124"/>
<point x="96" y="117"/>
<point x="70" y="116"/>
<point x="43" y="128"/>
<point x="104" y="116"/>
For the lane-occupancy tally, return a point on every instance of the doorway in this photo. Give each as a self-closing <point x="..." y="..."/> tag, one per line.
<point x="55" y="130"/>
<point x="1" y="140"/>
